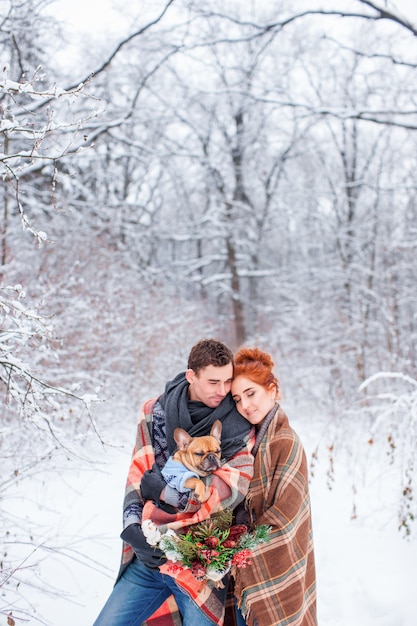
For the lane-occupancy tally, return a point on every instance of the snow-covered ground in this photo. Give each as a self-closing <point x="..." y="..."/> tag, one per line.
<point x="366" y="571"/>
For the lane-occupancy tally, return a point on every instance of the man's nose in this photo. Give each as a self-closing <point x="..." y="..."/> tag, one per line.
<point x="221" y="389"/>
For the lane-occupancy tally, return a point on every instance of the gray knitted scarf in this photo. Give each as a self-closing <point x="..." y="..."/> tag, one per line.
<point x="264" y="426"/>
<point x="197" y="418"/>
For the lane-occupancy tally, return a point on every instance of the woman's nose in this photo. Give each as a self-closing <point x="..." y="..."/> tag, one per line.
<point x="244" y="402"/>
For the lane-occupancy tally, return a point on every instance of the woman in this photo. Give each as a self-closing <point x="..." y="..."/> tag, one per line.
<point x="279" y="587"/>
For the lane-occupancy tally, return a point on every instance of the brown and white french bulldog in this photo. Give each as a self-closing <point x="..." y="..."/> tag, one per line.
<point x="200" y="455"/>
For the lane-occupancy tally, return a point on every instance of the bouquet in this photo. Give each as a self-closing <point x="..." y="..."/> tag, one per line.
<point x="209" y="548"/>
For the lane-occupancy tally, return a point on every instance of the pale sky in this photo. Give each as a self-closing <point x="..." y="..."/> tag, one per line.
<point x="105" y="24"/>
<point x="89" y="16"/>
<point x="100" y="15"/>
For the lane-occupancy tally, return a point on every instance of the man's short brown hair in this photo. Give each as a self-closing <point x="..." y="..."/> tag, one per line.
<point x="209" y="352"/>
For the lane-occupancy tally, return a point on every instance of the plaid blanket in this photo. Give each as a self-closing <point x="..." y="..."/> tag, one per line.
<point x="228" y="486"/>
<point x="279" y="588"/>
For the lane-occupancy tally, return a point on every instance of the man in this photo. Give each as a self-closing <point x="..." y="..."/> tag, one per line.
<point x="193" y="400"/>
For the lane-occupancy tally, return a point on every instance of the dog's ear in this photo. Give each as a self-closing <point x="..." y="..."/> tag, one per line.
<point x="182" y="438"/>
<point x="216" y="430"/>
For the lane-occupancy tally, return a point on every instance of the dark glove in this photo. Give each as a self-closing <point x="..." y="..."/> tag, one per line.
<point x="241" y="515"/>
<point x="152" y="484"/>
<point x="151" y="557"/>
<point x="151" y="487"/>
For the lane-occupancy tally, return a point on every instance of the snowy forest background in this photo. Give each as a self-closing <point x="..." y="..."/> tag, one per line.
<point x="242" y="170"/>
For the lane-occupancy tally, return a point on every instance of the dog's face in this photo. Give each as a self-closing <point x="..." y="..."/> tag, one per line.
<point x="199" y="454"/>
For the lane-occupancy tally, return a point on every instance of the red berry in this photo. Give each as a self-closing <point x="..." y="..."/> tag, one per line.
<point x="212" y="542"/>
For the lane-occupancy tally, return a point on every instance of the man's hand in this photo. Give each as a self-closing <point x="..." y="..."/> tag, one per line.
<point x="152" y="484"/>
<point x="151" y="557"/>
<point x="153" y="487"/>
<point x="241" y="515"/>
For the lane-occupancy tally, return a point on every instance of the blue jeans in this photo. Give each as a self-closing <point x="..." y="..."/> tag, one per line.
<point x="240" y="620"/>
<point x="140" y="592"/>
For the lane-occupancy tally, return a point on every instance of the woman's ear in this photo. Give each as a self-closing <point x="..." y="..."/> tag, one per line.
<point x="273" y="388"/>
